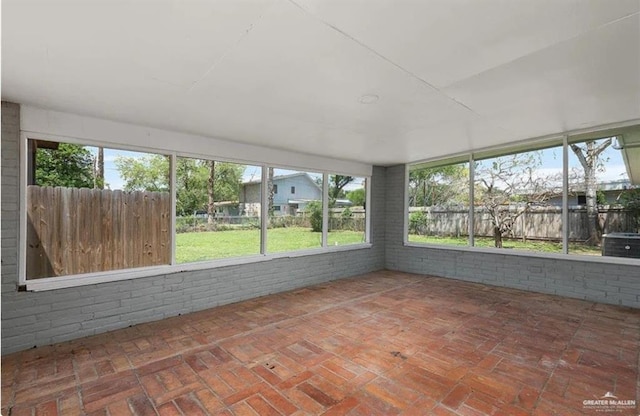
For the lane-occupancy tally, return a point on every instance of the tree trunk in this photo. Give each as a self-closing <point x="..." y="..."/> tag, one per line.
<point x="211" y="206"/>
<point x="98" y="172"/>
<point x="588" y="158"/>
<point x="270" y="190"/>
<point x="592" y="206"/>
<point x="497" y="236"/>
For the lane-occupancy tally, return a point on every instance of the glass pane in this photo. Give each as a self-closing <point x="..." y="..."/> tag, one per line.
<point x="518" y="201"/>
<point x="295" y="211"/>
<point x="93" y="209"/>
<point x="604" y="207"/>
<point x="347" y="210"/>
<point x="439" y="204"/>
<point x="217" y="210"/>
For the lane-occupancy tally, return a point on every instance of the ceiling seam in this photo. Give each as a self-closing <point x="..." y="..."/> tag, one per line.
<point x="437" y="89"/>
<point x="379" y="55"/>
<point x="579" y="35"/>
<point x="226" y="53"/>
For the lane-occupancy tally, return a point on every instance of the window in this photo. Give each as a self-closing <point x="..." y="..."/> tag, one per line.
<point x="518" y="201"/>
<point x="298" y="224"/>
<point x="531" y="199"/>
<point x="220" y="221"/>
<point x="439" y="204"/>
<point x="93" y="209"/>
<point x="607" y="201"/>
<point x="347" y="210"/>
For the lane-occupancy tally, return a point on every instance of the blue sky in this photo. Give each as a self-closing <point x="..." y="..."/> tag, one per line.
<point x="614" y="168"/>
<point x="114" y="181"/>
<point x="551" y="164"/>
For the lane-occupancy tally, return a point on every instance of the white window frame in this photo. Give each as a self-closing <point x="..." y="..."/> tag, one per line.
<point x="563" y="141"/>
<point x="67" y="281"/>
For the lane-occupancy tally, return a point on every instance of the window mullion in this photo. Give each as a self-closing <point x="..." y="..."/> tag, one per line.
<point x="325" y="208"/>
<point x="471" y="201"/>
<point x="174" y="200"/>
<point x="565" y="195"/>
<point x="264" y="209"/>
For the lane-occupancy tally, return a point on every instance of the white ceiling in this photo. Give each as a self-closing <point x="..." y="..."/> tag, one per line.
<point x="451" y="75"/>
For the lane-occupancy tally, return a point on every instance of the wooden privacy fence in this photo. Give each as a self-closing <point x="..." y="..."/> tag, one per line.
<point x="544" y="223"/>
<point x="80" y="230"/>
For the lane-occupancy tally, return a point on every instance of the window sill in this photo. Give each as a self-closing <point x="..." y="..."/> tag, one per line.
<point x="62" y="282"/>
<point x="525" y="253"/>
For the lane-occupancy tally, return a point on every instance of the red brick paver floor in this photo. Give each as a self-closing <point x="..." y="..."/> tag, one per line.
<point x="382" y="344"/>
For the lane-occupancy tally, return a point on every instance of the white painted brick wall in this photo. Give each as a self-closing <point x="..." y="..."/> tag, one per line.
<point x="40" y="318"/>
<point x="599" y="282"/>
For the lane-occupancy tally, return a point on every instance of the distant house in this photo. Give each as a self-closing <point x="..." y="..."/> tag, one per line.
<point x="291" y="194"/>
<point x="611" y="191"/>
<point x="223" y="209"/>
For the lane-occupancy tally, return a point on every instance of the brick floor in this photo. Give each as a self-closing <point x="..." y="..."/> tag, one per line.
<point x="386" y="343"/>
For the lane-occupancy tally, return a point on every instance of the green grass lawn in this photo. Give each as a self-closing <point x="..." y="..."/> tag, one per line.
<point x="531" y="245"/>
<point x="210" y="245"/>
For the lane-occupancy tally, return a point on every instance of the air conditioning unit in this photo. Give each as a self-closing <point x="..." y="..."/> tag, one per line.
<point x="621" y="245"/>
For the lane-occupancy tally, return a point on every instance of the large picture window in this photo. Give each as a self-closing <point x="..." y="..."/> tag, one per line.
<point x="518" y="201"/>
<point x="439" y="204"/>
<point x="347" y="210"/>
<point x="295" y="220"/>
<point x="92" y="209"/>
<point x="217" y="210"/>
<point x="604" y="207"/>
<point x="566" y="196"/>
<point x="88" y="210"/>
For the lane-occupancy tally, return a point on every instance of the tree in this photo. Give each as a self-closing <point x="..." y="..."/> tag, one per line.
<point x="589" y="157"/>
<point x="509" y="186"/>
<point x="270" y="190"/>
<point x="439" y="186"/>
<point x="69" y="165"/>
<point x="631" y="202"/>
<point x="193" y="193"/>
<point x="336" y="186"/>
<point x="357" y="197"/>
<point x="191" y="179"/>
<point x="314" y="208"/>
<point x="98" y="173"/>
<point x="211" y="205"/>
<point x="147" y="173"/>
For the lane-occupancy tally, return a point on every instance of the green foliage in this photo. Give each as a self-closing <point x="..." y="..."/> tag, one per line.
<point x="336" y="187"/>
<point x="346" y="213"/>
<point x="418" y="221"/>
<point x="631" y="201"/>
<point x="358" y="197"/>
<point x="439" y="186"/>
<point x="151" y="173"/>
<point x="70" y="166"/>
<point x="516" y="244"/>
<point x="148" y="173"/>
<point x="314" y="209"/>
<point x="211" y="245"/>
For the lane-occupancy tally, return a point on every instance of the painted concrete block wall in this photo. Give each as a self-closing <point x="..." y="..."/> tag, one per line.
<point x="40" y="318"/>
<point x="601" y="282"/>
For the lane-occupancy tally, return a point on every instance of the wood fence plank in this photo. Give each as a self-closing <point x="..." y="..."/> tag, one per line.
<point x="74" y="230"/>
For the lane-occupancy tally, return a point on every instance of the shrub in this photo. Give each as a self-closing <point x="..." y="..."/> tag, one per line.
<point x="418" y="222"/>
<point x="314" y="209"/>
